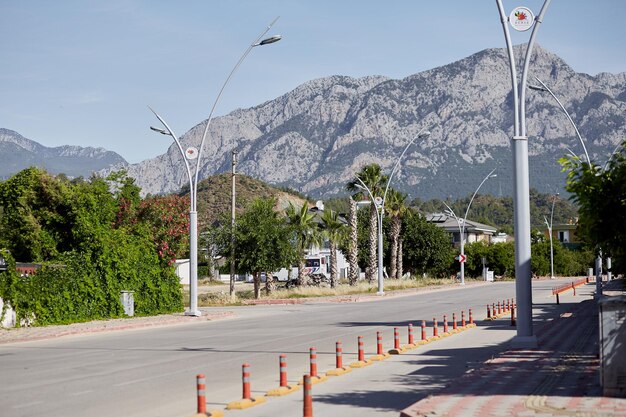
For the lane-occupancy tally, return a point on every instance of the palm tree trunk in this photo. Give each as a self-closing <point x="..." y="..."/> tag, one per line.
<point x="301" y="276"/>
<point x="270" y="285"/>
<point x="395" y="236"/>
<point x="333" y="264"/>
<point x="400" y="272"/>
<point x="373" y="261"/>
<point x="353" y="252"/>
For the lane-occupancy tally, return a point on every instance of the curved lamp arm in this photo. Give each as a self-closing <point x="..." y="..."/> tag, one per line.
<point x="257" y="42"/>
<point x="171" y="133"/>
<point x="490" y="175"/>
<point x="458" y="221"/>
<point x="421" y="135"/>
<point x="544" y="87"/>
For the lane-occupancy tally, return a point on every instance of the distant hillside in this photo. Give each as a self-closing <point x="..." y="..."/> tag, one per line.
<point x="18" y="153"/>
<point x="214" y="196"/>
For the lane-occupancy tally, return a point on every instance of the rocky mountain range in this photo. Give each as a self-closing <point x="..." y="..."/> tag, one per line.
<point x="17" y="153"/>
<point x="316" y="137"/>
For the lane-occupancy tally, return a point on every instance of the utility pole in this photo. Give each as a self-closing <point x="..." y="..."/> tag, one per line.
<point x="232" y="226"/>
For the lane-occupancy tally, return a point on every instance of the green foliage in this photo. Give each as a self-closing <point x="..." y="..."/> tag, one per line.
<point x="600" y="192"/>
<point x="427" y="248"/>
<point x="92" y="245"/>
<point x="500" y="258"/>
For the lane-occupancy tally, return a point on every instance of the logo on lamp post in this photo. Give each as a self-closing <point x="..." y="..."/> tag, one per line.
<point x="191" y="153"/>
<point x="521" y="18"/>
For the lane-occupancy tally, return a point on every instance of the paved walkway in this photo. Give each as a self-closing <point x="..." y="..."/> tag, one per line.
<point x="560" y="378"/>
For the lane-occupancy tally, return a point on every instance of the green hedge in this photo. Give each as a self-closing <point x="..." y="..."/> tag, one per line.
<point x="87" y="286"/>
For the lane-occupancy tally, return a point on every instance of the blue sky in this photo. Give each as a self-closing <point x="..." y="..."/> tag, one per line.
<point x="82" y="72"/>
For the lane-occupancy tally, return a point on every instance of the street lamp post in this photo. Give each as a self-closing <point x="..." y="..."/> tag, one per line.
<point x="380" y="207"/>
<point x="463" y="222"/>
<point x="521" y="192"/>
<point x="550" y="232"/>
<point x="192" y="154"/>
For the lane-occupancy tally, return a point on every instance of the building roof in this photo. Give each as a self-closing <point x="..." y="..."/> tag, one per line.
<point x="450" y="224"/>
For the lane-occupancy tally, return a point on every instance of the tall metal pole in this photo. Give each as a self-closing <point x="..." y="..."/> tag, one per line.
<point x="380" y="211"/>
<point x="521" y="194"/>
<point x="379" y="219"/>
<point x="464" y="222"/>
<point x="550" y="232"/>
<point x="191" y="154"/>
<point x="232" y="226"/>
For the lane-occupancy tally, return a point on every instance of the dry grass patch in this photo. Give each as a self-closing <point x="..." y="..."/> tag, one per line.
<point x="212" y="294"/>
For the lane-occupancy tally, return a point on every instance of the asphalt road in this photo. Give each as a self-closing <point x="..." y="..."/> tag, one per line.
<point x="151" y="372"/>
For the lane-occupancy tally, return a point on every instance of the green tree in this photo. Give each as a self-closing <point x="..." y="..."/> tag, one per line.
<point x="428" y="248"/>
<point x="306" y="231"/>
<point x="600" y="192"/>
<point x="263" y="240"/>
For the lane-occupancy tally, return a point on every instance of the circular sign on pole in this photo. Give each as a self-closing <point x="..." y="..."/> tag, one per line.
<point x="191" y="153"/>
<point x="521" y="18"/>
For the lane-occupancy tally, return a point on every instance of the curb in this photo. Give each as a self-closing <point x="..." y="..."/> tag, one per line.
<point x="246" y="403"/>
<point x="280" y="391"/>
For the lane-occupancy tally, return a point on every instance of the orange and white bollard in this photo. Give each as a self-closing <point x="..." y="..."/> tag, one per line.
<point x="361" y="350"/>
<point x="454" y="326"/>
<point x="499" y="311"/>
<point x="424" y="337"/>
<point x="308" y="397"/>
<point x="471" y="317"/>
<point x="201" y="393"/>
<point x="338" y="355"/>
<point x="313" y="360"/>
<point x="246" y="381"/>
<point x="463" y="318"/>
<point x="488" y="312"/>
<point x="445" y="324"/>
<point x="396" y="338"/>
<point x="493" y="309"/>
<point x="411" y="340"/>
<point x="282" y="361"/>
<point x="574" y="288"/>
<point x="379" y="343"/>
<point x="513" y="321"/>
<point x="435" y="330"/>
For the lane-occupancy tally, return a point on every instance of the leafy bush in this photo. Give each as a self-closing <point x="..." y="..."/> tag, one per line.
<point x="92" y="245"/>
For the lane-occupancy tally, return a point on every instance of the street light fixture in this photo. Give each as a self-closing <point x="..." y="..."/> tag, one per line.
<point x="545" y="88"/>
<point x="380" y="207"/>
<point x="463" y="222"/>
<point x="550" y="232"/>
<point x="191" y="154"/>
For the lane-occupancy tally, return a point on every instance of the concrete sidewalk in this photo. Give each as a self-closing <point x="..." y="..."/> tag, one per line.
<point x="560" y="378"/>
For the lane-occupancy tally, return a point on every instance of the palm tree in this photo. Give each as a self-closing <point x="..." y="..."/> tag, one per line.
<point x="395" y="207"/>
<point x="353" y="244"/>
<point x="372" y="177"/>
<point x="334" y="230"/>
<point x="306" y="234"/>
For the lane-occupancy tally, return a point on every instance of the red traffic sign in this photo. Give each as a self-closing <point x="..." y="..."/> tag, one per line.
<point x="461" y="258"/>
